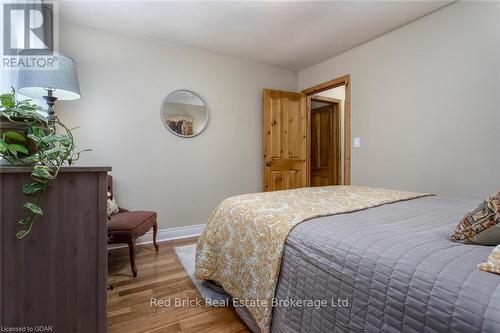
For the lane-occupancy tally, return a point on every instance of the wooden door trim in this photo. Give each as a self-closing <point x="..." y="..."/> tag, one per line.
<point x="325" y="99"/>
<point x="335" y="128"/>
<point x="326" y="107"/>
<point x="340" y="81"/>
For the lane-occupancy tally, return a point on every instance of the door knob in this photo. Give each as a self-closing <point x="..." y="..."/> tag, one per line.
<point x="269" y="163"/>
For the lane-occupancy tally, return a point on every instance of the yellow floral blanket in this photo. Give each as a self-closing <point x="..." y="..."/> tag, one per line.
<point x="242" y="244"/>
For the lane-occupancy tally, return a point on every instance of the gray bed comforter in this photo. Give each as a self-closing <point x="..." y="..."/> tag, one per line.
<point x="387" y="269"/>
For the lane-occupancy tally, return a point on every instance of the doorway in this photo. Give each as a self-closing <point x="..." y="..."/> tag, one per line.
<point x="325" y="143"/>
<point x="286" y="137"/>
<point x="337" y="89"/>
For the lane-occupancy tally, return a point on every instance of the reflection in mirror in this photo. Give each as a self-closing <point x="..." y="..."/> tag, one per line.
<point x="184" y="113"/>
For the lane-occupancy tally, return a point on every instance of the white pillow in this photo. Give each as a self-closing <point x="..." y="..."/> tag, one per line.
<point x="112" y="205"/>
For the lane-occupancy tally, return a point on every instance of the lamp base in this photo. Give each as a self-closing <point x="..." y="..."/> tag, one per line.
<point x="51" y="100"/>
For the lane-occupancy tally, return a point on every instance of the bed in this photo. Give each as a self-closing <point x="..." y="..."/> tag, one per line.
<point x="388" y="268"/>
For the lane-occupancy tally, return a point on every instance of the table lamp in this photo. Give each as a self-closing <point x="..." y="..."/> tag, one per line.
<point x="51" y="84"/>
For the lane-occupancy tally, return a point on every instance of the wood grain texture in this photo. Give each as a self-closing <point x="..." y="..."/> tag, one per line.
<point x="340" y="81"/>
<point x="346" y="82"/>
<point x="284" y="141"/>
<point x="347" y="132"/>
<point x="325" y="99"/>
<point x="161" y="277"/>
<point x="325" y="145"/>
<point x="56" y="276"/>
<point x="11" y="169"/>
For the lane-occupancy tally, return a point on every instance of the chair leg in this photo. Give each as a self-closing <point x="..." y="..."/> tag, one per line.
<point x="155" y="231"/>
<point x="131" y="252"/>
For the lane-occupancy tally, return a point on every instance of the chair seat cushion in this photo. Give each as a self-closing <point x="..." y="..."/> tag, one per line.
<point x="133" y="223"/>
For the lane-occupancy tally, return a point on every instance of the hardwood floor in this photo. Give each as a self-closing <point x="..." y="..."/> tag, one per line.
<point x="160" y="276"/>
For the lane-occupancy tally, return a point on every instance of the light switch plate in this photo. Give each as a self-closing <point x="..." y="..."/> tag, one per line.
<point x="357" y="142"/>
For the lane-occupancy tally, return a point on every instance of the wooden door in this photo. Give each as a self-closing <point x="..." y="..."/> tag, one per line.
<point x="325" y="146"/>
<point x="284" y="140"/>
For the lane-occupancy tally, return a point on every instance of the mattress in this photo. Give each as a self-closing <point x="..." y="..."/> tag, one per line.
<point x="386" y="269"/>
<point x="242" y="244"/>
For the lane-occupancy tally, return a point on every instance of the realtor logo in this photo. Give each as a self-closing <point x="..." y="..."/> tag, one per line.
<point x="29" y="36"/>
<point x="28" y="26"/>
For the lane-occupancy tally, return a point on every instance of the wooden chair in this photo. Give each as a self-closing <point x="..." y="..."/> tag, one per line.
<point x="126" y="226"/>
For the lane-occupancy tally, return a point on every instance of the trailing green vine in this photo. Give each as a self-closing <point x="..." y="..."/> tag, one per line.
<point x="34" y="142"/>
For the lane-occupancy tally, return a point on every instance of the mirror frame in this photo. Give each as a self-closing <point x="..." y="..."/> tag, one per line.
<point x="204" y="103"/>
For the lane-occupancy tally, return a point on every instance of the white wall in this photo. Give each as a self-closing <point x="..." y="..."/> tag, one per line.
<point x="123" y="82"/>
<point x="426" y="102"/>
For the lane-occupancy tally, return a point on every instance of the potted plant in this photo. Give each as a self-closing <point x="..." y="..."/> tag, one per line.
<point x="29" y="137"/>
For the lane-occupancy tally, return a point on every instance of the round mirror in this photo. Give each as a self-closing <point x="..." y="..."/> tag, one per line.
<point x="184" y="113"/>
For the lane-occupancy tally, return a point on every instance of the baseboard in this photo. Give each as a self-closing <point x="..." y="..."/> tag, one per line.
<point x="165" y="235"/>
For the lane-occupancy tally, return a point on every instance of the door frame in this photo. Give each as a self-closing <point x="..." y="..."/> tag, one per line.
<point x="340" y="81"/>
<point x="335" y="151"/>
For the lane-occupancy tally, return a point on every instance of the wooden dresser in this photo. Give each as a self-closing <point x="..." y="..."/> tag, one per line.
<point x="56" y="276"/>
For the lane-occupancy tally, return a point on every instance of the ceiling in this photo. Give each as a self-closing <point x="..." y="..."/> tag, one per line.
<point x="291" y="35"/>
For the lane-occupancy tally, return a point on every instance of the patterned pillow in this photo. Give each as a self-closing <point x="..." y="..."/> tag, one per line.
<point x="492" y="264"/>
<point x="481" y="225"/>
